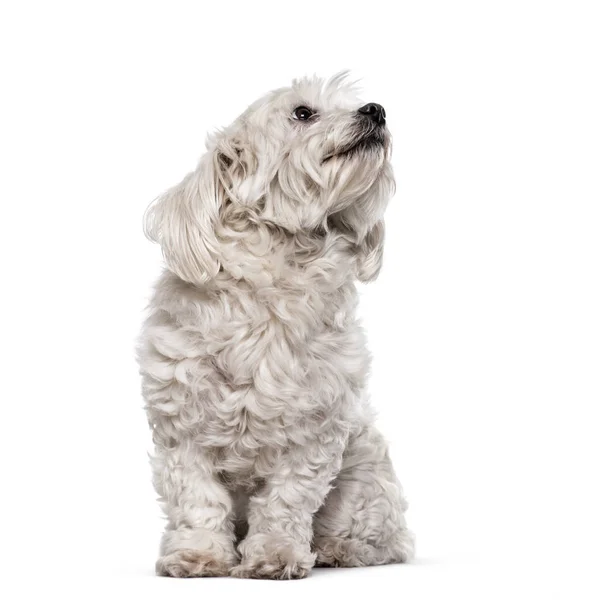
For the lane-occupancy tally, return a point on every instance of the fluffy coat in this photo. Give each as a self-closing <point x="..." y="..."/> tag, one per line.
<point x="253" y="363"/>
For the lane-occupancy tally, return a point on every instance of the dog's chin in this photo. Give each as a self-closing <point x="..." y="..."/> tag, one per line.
<point x="366" y="146"/>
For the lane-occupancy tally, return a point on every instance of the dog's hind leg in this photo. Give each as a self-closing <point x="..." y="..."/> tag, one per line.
<point x="362" y="522"/>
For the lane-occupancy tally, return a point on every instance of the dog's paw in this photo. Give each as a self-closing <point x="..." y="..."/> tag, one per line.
<point x="266" y="556"/>
<point x="191" y="563"/>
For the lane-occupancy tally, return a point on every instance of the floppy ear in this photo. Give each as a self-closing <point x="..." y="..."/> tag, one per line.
<point x="183" y="220"/>
<point x="369" y="256"/>
<point x="368" y="213"/>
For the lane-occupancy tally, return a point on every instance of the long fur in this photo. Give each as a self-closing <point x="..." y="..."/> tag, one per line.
<point x="253" y="363"/>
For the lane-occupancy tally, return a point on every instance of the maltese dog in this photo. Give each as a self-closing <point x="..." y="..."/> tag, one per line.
<point x="253" y="363"/>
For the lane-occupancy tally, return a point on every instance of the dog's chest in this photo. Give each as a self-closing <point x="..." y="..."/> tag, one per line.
<point x="251" y="378"/>
<point x="267" y="380"/>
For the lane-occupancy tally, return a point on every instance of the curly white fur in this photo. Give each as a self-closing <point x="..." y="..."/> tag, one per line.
<point x="253" y="363"/>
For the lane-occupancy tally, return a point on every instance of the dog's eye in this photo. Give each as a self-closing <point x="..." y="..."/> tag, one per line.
<point x="302" y="113"/>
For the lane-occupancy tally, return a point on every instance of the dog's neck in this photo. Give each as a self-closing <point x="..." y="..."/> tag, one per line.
<point x="269" y="256"/>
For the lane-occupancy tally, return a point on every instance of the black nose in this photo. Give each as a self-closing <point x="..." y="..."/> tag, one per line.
<point x="375" y="112"/>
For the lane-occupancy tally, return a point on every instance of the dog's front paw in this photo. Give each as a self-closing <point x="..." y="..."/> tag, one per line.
<point x="191" y="563"/>
<point x="196" y="552"/>
<point x="267" y="556"/>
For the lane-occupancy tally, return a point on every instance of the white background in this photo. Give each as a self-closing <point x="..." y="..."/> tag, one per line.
<point x="479" y="322"/>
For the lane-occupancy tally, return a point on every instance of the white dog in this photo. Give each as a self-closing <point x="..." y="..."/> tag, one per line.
<point x="254" y="365"/>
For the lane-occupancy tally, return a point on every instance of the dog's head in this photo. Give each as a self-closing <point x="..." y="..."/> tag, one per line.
<point x="309" y="160"/>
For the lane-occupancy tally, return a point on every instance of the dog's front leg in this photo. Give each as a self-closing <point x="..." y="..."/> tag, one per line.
<point x="280" y="517"/>
<point x="199" y="537"/>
